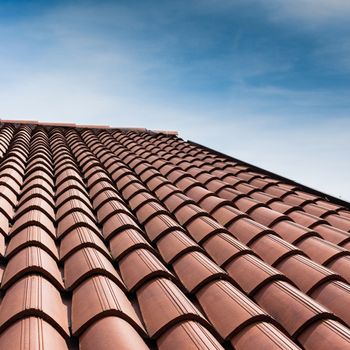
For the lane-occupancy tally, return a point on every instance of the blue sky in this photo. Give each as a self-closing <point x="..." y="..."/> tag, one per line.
<point x="267" y="81"/>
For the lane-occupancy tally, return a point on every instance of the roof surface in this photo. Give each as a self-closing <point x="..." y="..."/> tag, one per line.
<point x="132" y="239"/>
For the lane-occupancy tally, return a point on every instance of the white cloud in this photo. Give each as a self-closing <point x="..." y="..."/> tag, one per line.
<point x="75" y="73"/>
<point x="316" y="11"/>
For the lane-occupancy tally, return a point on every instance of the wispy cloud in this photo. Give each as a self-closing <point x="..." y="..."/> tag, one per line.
<point x="312" y="12"/>
<point x="230" y="75"/>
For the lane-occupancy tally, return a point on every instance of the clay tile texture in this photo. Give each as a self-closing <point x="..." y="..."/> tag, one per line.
<point x="127" y="238"/>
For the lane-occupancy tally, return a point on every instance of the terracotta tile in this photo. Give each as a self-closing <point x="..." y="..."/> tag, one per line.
<point x="340" y="222"/>
<point x="99" y="297"/>
<point x="7" y="208"/>
<point x="34" y="217"/>
<point x="227" y="215"/>
<point x="69" y="184"/>
<point x="32" y="333"/>
<point x="277" y="191"/>
<point x="117" y="223"/>
<point x="306" y="274"/>
<point x="2" y="244"/>
<point x="223" y="248"/>
<point x="230" y="194"/>
<point x="39" y="174"/>
<point x="283" y="208"/>
<point x="38" y="183"/>
<point x="318" y="210"/>
<point x="73" y="220"/>
<point x="103" y="197"/>
<point x="294" y="310"/>
<point x="344" y="213"/>
<point x="70" y="173"/>
<point x="123" y="177"/>
<point x="188" y="335"/>
<point x="96" y="178"/>
<point x="148" y="211"/>
<point x="37" y="192"/>
<point x="265" y="198"/>
<point x="336" y="297"/>
<point x="262" y="336"/>
<point x="34" y="296"/>
<point x="126" y="181"/>
<point x="196" y="270"/>
<point x="9" y="195"/>
<point x="126" y="241"/>
<point x="9" y="172"/>
<point x="161" y="225"/>
<point x="324" y="335"/>
<point x="306" y="219"/>
<point x="74" y="204"/>
<point x="217" y="186"/>
<point x="212" y="203"/>
<point x="87" y="262"/>
<point x="342" y="266"/>
<point x="177" y="201"/>
<point x="110" y="333"/>
<point x="163" y="305"/>
<point x="293" y="232"/>
<point x="203" y="227"/>
<point x="140" y="199"/>
<point x="321" y="251"/>
<point x="132" y="190"/>
<point x="133" y="172"/>
<point x="228" y="309"/>
<point x="100" y="188"/>
<point x="174" y="244"/>
<point x="247" y="205"/>
<point x="9" y="182"/>
<point x="273" y="249"/>
<point x="333" y="234"/>
<point x="187" y="183"/>
<point x="78" y="238"/>
<point x="35" y="203"/>
<point x="28" y="261"/>
<point x="329" y="205"/>
<point x="167" y="190"/>
<point x="305" y="195"/>
<point x="247" y="230"/>
<point x="246" y="188"/>
<point x="251" y="274"/>
<point x="139" y="266"/>
<point x="267" y="217"/>
<point x="198" y="193"/>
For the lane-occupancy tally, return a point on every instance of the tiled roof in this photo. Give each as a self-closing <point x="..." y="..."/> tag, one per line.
<point x="135" y="239"/>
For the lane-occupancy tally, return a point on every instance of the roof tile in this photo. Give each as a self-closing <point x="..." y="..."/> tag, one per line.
<point x="170" y="217"/>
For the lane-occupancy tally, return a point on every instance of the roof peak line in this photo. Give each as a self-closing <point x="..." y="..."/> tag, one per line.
<point x="85" y="126"/>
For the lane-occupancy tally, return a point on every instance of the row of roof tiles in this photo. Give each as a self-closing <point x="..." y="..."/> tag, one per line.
<point x="136" y="240"/>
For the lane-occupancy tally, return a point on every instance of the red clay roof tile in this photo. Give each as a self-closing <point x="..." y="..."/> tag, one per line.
<point x="228" y="309"/>
<point x="32" y="333"/>
<point x="188" y="335"/>
<point x="98" y="297"/>
<point x="111" y="332"/>
<point x="139" y="219"/>
<point x="87" y="262"/>
<point x="31" y="260"/>
<point x="140" y="266"/>
<point x="34" y="296"/>
<point x="263" y="336"/>
<point x="295" y="311"/>
<point x="163" y="305"/>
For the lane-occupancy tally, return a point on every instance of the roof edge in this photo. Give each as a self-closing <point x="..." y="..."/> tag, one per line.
<point x="86" y="126"/>
<point x="321" y="194"/>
